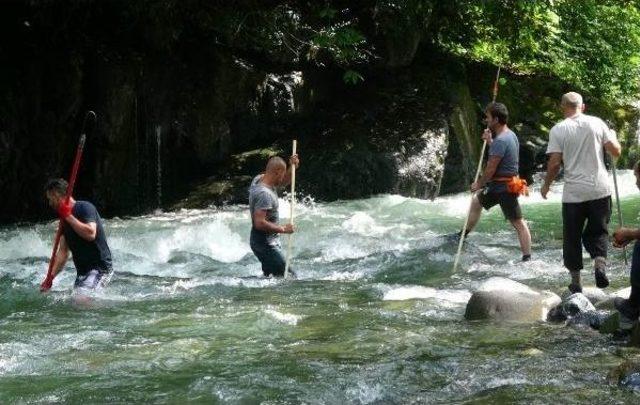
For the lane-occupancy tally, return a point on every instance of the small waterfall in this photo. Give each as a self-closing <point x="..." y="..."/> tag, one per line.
<point x="278" y="92"/>
<point x="159" y="166"/>
<point x="421" y="164"/>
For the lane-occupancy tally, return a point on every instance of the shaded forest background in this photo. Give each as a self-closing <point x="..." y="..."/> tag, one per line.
<point x="384" y="96"/>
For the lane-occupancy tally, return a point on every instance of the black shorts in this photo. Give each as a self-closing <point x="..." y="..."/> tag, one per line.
<point x="508" y="202"/>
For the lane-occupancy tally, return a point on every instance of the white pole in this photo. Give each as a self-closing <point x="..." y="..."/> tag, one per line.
<point x="291" y="206"/>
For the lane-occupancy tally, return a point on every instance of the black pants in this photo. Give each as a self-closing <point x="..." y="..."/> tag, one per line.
<point x="271" y="258"/>
<point x="596" y="214"/>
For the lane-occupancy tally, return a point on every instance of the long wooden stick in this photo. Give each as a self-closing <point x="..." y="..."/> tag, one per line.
<point x="484" y="147"/>
<point x="615" y="186"/>
<point x="291" y="209"/>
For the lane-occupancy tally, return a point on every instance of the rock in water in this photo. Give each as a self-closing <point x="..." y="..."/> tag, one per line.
<point x="595" y="295"/>
<point x="626" y="374"/>
<point x="577" y="309"/>
<point x="611" y="324"/>
<point x="503" y="299"/>
<point x="608" y="303"/>
<point x="571" y="306"/>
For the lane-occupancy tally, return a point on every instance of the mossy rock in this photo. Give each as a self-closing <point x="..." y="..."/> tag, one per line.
<point x="251" y="162"/>
<point x="611" y="324"/>
<point x="216" y="192"/>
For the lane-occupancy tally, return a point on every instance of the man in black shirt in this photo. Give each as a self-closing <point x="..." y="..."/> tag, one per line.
<point x="83" y="235"/>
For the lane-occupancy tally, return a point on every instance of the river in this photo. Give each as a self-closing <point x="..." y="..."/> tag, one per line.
<point x="376" y="315"/>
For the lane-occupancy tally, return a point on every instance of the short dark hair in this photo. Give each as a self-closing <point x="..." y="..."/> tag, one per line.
<point x="499" y="111"/>
<point x="58" y="185"/>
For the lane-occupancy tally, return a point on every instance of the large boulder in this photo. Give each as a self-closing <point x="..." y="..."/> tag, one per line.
<point x="503" y="299"/>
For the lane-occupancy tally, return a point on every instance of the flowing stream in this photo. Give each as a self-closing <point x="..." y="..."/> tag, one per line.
<point x="376" y="315"/>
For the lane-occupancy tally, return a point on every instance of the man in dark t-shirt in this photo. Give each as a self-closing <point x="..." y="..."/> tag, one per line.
<point x="83" y="235"/>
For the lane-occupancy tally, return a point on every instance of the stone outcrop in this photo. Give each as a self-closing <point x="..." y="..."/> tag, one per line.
<point x="507" y="300"/>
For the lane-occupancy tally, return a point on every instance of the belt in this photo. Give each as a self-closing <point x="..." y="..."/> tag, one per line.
<point x="502" y="179"/>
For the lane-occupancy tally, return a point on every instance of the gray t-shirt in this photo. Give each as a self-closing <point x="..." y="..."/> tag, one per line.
<point x="581" y="140"/>
<point x="507" y="147"/>
<point x="262" y="197"/>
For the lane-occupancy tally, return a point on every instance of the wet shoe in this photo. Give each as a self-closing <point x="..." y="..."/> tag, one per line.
<point x="575" y="288"/>
<point x="600" y="266"/>
<point x="455" y="237"/>
<point x="601" y="279"/>
<point x="526" y="258"/>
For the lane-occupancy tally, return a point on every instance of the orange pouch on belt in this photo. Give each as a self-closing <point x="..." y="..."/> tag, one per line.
<point x="518" y="186"/>
<point x="515" y="185"/>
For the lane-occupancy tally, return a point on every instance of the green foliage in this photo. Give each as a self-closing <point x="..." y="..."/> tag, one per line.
<point x="594" y="45"/>
<point x="352" y="77"/>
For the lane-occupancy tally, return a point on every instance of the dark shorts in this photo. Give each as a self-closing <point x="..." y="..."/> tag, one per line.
<point x="272" y="259"/>
<point x="508" y="202"/>
<point x="93" y="279"/>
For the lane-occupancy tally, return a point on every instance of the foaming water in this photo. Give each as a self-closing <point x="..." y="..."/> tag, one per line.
<point x="375" y="315"/>
<point x="26" y="243"/>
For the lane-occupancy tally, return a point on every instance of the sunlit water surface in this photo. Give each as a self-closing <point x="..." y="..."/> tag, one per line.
<point x="376" y="315"/>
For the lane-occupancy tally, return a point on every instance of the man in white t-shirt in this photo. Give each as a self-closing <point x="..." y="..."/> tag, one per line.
<point x="578" y="142"/>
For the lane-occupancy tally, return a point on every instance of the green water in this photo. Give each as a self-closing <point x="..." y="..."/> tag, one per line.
<point x="375" y="317"/>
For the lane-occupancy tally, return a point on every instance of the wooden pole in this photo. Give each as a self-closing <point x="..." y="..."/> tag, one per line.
<point x="484" y="147"/>
<point x="291" y="210"/>
<point x="615" y="186"/>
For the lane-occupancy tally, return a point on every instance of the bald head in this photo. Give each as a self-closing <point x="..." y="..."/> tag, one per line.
<point x="275" y="171"/>
<point x="275" y="164"/>
<point x="571" y="100"/>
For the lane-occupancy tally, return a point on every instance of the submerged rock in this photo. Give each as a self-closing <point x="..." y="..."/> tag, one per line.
<point x="612" y="325"/>
<point x="626" y="374"/>
<point x="532" y="352"/>
<point x="504" y="299"/>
